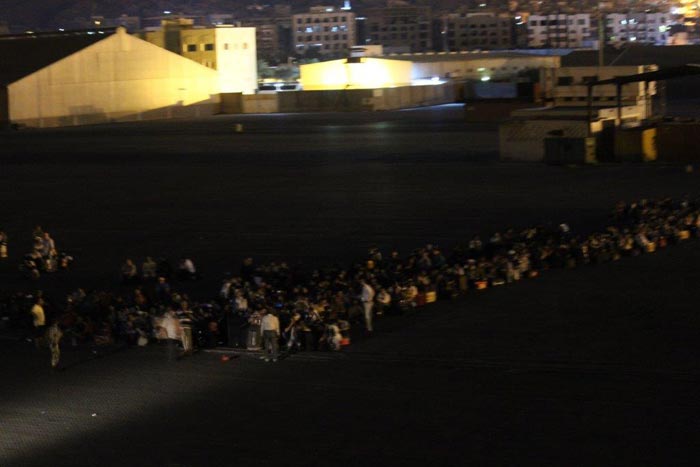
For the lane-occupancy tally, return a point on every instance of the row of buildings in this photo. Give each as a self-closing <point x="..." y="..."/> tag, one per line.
<point x="108" y="75"/>
<point x="330" y="31"/>
<point x="333" y="30"/>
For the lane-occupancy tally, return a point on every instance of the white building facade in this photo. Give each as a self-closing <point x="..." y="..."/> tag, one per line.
<point x="329" y="30"/>
<point x="558" y="30"/>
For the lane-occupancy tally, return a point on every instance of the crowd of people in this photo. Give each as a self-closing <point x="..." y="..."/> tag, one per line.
<point x="270" y="304"/>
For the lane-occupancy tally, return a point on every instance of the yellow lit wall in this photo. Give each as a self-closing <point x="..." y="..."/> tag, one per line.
<point x="369" y="73"/>
<point x="120" y="77"/>
<point x="236" y="59"/>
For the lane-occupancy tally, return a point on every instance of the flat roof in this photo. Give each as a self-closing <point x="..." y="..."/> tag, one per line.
<point x="662" y="55"/>
<point x="429" y="57"/>
<point x="658" y="75"/>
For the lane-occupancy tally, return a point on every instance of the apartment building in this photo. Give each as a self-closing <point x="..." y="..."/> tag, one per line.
<point x="272" y="36"/>
<point x="477" y="30"/>
<point x="400" y="26"/>
<point x="558" y="30"/>
<point x="325" y="29"/>
<point x="645" y="28"/>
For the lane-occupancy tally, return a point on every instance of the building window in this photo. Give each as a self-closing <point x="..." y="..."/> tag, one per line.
<point x="226" y="46"/>
<point x="191" y="47"/>
<point x="209" y="47"/>
<point x="245" y="46"/>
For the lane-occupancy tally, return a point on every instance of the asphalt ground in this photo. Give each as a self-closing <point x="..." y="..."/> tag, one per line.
<point x="309" y="189"/>
<point x="593" y="366"/>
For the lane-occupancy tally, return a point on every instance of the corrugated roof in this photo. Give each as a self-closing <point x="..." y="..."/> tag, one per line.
<point x="22" y="55"/>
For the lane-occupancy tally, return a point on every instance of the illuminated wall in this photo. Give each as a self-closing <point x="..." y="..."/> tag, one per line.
<point x="367" y="73"/>
<point x="118" y="78"/>
<point x="236" y="59"/>
<point x="229" y="50"/>
<point x="479" y="66"/>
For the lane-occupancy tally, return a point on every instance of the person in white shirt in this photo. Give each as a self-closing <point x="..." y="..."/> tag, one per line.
<point x="270" y="327"/>
<point x="173" y="333"/>
<point x="367" y="297"/>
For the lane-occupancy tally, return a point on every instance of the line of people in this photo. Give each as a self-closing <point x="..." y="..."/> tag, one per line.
<point x="270" y="304"/>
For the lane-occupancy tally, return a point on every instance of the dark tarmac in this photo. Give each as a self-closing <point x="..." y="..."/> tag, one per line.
<point x="593" y="366"/>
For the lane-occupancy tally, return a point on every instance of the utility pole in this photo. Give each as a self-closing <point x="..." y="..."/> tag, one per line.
<point x="601" y="37"/>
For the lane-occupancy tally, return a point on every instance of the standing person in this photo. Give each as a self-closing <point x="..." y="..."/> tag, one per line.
<point x="48" y="246"/>
<point x="271" y="332"/>
<point x="54" y="335"/>
<point x="148" y="269"/>
<point x="185" y="319"/>
<point x="3" y="245"/>
<point x="173" y="333"/>
<point x="130" y="274"/>
<point x="367" y="297"/>
<point x="38" y="320"/>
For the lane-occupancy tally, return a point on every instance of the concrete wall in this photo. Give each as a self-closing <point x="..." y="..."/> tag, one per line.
<point x="635" y="144"/>
<point x="232" y="103"/>
<point x="365" y="99"/>
<point x="117" y="79"/>
<point x="678" y="142"/>
<point x="260" y="104"/>
<point x="523" y="140"/>
<point x="322" y="101"/>
<point x="368" y="73"/>
<point x="4" y="108"/>
<point x="493" y="110"/>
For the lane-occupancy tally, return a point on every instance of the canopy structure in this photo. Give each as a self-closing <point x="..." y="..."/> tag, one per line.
<point x="658" y="75"/>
